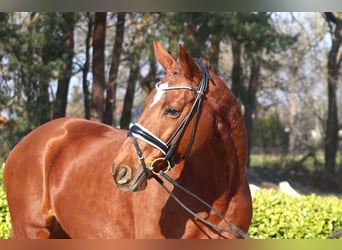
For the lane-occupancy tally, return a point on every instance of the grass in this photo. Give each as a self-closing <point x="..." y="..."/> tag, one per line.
<point x="311" y="162"/>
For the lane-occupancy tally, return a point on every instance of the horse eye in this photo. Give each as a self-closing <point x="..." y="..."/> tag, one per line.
<point x="172" y="112"/>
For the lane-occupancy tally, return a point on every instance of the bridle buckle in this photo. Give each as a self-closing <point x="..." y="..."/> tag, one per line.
<point x="160" y="164"/>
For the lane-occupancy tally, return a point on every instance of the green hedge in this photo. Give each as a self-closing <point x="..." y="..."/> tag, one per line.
<point x="5" y="226"/>
<point x="276" y="215"/>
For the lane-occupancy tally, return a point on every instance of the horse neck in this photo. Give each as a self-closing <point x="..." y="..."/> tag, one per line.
<point x="225" y="151"/>
<point x="206" y="171"/>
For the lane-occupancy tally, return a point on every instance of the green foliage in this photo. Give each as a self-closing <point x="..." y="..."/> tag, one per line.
<point x="269" y="132"/>
<point x="277" y="215"/>
<point x="32" y="56"/>
<point x="5" y="225"/>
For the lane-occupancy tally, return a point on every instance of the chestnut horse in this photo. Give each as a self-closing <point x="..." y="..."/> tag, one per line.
<point x="59" y="178"/>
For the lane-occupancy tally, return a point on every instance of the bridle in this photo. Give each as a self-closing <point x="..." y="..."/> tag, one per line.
<point x="168" y="148"/>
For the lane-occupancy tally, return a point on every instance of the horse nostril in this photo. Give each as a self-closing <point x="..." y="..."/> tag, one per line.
<point x="123" y="176"/>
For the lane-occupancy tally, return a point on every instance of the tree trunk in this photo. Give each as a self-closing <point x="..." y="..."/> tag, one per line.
<point x="43" y="108"/>
<point x="63" y="83"/>
<point x="113" y="72"/>
<point x="214" y="50"/>
<point x="97" y="95"/>
<point x="334" y="63"/>
<point x="129" y="96"/>
<point x="250" y="104"/>
<point x="237" y="73"/>
<point x="292" y="107"/>
<point x="43" y="105"/>
<point x="36" y="87"/>
<point x="85" y="69"/>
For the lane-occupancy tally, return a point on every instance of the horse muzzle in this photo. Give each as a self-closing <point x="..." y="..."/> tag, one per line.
<point x="129" y="180"/>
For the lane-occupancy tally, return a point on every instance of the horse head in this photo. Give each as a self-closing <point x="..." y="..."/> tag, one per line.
<point x="188" y="108"/>
<point x="167" y="131"/>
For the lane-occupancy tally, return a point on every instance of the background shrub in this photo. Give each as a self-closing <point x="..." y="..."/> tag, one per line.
<point x="277" y="215"/>
<point x="5" y="226"/>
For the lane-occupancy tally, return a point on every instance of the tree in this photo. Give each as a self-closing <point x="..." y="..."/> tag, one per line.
<point x="98" y="68"/>
<point x="134" y="72"/>
<point x="113" y="72"/>
<point x="269" y="133"/>
<point x="33" y="53"/>
<point x="126" y="115"/>
<point x="200" y="32"/>
<point x="253" y="34"/>
<point x="334" y="64"/>
<point x="142" y="31"/>
<point x="67" y="25"/>
<point x="89" y="19"/>
<point x="31" y="50"/>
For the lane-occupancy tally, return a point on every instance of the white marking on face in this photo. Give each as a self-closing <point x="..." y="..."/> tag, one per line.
<point x="160" y="91"/>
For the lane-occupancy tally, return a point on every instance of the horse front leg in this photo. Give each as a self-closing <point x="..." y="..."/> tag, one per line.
<point x="26" y="227"/>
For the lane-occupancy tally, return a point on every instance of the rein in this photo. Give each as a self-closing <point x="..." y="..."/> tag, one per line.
<point x="138" y="131"/>
<point x="188" y="192"/>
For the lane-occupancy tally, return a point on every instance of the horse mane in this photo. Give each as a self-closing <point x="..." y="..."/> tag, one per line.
<point x="229" y="123"/>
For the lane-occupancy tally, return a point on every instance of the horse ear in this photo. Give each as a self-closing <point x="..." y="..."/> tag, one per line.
<point x="187" y="63"/>
<point x="163" y="57"/>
